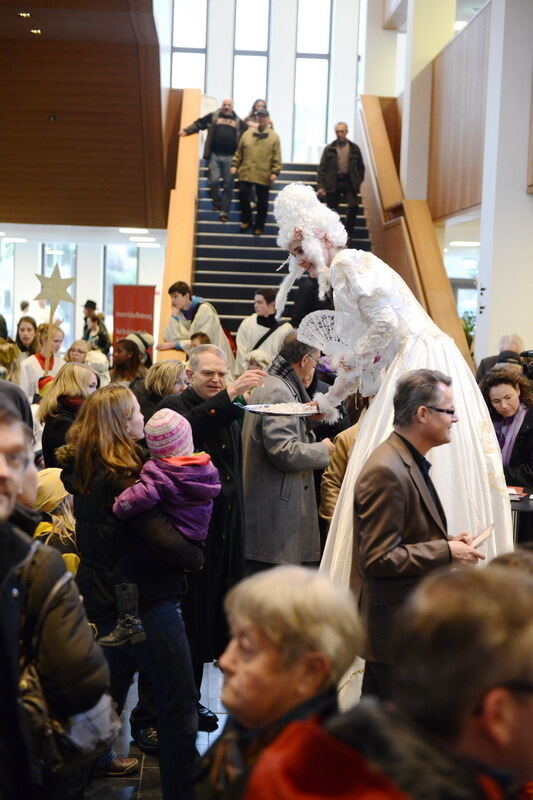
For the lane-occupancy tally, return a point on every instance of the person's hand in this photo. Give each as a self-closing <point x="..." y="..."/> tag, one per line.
<point x="272" y="178"/>
<point x="248" y="380"/>
<point x="165" y="346"/>
<point x="233" y="170"/>
<point x="463" y="554"/>
<point x="464" y="537"/>
<point x="182" y="133"/>
<point x="321" y="192"/>
<point x="329" y="444"/>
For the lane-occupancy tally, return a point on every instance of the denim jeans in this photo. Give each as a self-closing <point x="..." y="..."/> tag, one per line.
<point x="165" y="661"/>
<point x="219" y="169"/>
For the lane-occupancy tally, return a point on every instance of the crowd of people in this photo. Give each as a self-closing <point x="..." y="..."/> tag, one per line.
<point x="286" y="547"/>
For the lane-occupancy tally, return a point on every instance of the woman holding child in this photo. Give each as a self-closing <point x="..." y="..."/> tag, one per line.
<point x="100" y="460"/>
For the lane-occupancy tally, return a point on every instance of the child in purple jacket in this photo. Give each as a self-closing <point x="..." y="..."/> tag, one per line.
<point x="183" y="484"/>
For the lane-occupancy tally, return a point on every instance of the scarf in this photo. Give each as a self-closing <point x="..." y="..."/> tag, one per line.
<point x="507" y="431"/>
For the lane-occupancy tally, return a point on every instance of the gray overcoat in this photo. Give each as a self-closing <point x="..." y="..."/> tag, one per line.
<point x="279" y="456"/>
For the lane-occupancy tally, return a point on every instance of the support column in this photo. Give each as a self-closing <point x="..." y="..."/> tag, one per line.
<point x="429" y="28"/>
<point x="220" y="38"/>
<point x="281" y="69"/>
<point x="506" y="209"/>
<point x="343" y="66"/>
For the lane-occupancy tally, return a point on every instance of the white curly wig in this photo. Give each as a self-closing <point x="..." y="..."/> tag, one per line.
<point x="302" y="217"/>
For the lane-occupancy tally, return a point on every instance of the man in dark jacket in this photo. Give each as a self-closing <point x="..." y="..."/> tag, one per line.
<point x="71" y="667"/>
<point x="340" y="174"/>
<point x="208" y="405"/>
<point x="224" y="129"/>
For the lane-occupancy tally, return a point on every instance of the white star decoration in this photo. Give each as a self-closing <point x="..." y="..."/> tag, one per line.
<point x="54" y="289"/>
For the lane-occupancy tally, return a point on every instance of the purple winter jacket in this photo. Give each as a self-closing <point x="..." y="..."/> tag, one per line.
<point x="184" y="488"/>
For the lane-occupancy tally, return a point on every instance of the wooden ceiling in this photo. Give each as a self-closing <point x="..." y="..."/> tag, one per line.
<point x="80" y="118"/>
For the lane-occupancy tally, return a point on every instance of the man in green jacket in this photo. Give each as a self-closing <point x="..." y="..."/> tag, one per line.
<point x="258" y="163"/>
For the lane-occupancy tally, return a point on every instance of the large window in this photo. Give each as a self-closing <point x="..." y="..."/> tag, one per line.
<point x="312" y="79"/>
<point x="64" y="255"/>
<point x="189" y="44"/>
<point x="251" y="53"/>
<point x="121" y="266"/>
<point x="7" y="274"/>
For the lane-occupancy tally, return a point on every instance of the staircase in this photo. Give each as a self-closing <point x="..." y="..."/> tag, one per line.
<point x="229" y="265"/>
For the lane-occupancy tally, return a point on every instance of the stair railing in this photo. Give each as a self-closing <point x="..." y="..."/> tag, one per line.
<point x="179" y="256"/>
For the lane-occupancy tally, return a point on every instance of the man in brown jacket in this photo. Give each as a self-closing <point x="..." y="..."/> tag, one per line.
<point x="400" y="525"/>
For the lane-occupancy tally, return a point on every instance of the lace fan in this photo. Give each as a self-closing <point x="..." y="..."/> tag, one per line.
<point x="318" y="330"/>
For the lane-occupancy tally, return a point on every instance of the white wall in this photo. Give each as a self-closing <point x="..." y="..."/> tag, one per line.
<point x="506" y="261"/>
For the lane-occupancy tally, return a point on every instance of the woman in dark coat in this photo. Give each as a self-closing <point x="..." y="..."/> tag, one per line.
<point x="510" y="400"/>
<point x="509" y="397"/>
<point x="101" y="458"/>
<point x="60" y="405"/>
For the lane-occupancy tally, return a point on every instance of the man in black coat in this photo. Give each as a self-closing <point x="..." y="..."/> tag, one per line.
<point x="340" y="174"/>
<point x="208" y="405"/>
<point x="72" y="668"/>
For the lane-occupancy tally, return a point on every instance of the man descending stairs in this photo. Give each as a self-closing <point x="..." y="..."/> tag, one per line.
<point x="230" y="265"/>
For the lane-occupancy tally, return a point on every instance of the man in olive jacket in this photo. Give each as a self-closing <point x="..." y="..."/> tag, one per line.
<point x="340" y="174"/>
<point x="258" y="163"/>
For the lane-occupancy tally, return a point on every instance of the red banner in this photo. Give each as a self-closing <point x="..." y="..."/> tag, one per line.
<point x="133" y="310"/>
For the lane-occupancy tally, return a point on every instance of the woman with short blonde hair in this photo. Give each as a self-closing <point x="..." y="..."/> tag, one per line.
<point x="163" y="378"/>
<point x="61" y="403"/>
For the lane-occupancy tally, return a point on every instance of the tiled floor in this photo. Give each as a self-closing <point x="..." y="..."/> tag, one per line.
<point x="145" y="784"/>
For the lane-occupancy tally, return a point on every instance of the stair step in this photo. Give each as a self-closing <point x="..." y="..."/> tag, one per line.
<point x="252" y="278"/>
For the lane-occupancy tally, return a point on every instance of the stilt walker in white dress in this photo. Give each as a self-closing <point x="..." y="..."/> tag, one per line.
<point x="378" y="331"/>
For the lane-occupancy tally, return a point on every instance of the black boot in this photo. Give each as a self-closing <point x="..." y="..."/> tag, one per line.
<point x="129" y="628"/>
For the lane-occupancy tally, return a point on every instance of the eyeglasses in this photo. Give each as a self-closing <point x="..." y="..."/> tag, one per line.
<point x="17" y="461"/>
<point x="314" y="360"/>
<point x="450" y="411"/>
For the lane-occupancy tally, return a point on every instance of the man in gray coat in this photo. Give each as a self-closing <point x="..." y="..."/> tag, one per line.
<point x="280" y="454"/>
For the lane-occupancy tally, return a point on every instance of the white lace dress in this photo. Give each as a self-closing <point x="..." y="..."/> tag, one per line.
<point x="385" y="332"/>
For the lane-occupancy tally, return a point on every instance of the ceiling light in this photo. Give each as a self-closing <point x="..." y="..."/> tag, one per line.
<point x="133" y="230"/>
<point x="36" y="31"/>
<point x="459" y="25"/>
<point x="2" y="233"/>
<point x="148" y="244"/>
<point x="14" y="240"/>
<point x="24" y="14"/>
<point x="445" y="250"/>
<point x="51" y="252"/>
<point x="142" y="238"/>
<point x="464" y="244"/>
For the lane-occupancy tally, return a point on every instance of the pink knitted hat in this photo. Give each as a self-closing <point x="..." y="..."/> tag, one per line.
<point x="168" y="434"/>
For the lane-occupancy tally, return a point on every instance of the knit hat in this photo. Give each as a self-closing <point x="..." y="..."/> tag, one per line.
<point x="168" y="434"/>
<point x="143" y="340"/>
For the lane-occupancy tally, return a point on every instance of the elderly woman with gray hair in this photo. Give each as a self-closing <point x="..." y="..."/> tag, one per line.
<point x="293" y="635"/>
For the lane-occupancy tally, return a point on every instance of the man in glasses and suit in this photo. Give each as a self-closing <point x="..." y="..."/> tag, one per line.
<point x="400" y="525"/>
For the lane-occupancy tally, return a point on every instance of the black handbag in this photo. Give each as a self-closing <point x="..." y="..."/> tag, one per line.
<point x="58" y="747"/>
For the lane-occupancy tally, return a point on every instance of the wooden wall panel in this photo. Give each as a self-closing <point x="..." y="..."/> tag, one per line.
<point x="388" y="182"/>
<point x="100" y="161"/>
<point x="458" y="120"/>
<point x="390" y="108"/>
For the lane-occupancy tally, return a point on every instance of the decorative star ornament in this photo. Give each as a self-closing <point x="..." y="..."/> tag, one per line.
<point x="54" y="289"/>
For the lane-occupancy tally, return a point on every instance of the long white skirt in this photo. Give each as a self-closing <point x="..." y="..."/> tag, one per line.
<point x="467" y="473"/>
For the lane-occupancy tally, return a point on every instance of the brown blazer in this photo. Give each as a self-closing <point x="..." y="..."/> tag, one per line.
<point x="400" y="536"/>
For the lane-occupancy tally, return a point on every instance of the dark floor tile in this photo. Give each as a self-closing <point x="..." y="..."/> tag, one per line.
<point x="112" y="789"/>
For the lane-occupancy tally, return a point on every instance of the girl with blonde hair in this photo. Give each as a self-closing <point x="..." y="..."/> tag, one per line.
<point x="60" y="405"/>
<point x="100" y="460"/>
<point x="77" y="352"/>
<point x="45" y="360"/>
